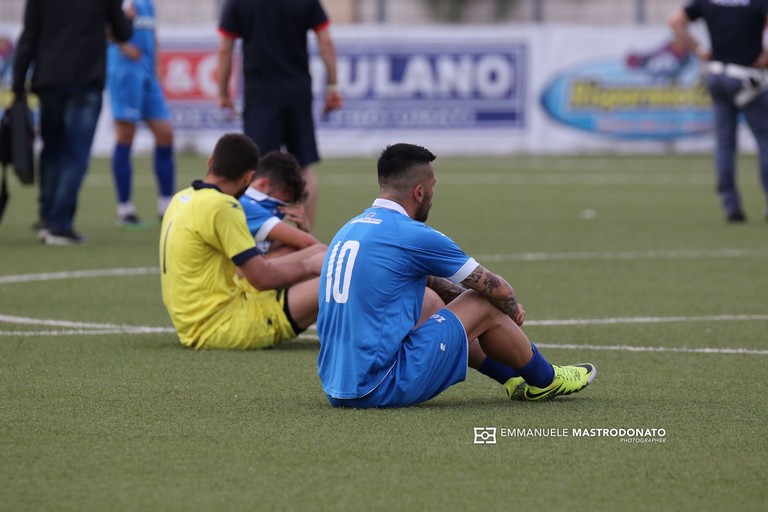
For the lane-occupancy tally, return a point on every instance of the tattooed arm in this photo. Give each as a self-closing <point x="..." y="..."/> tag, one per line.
<point x="445" y="289"/>
<point x="498" y="292"/>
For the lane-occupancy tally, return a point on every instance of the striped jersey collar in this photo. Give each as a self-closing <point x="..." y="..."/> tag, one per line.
<point x="258" y="195"/>
<point x="200" y="184"/>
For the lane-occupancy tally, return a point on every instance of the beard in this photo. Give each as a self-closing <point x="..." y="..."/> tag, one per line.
<point x="422" y="212"/>
<point x="240" y="192"/>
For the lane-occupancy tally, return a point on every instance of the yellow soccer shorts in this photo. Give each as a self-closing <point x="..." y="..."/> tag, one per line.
<point x="256" y="319"/>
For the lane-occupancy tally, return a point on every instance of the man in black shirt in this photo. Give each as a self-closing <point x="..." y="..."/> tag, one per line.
<point x="67" y="43"/>
<point x="737" y="82"/>
<point x="278" y="86"/>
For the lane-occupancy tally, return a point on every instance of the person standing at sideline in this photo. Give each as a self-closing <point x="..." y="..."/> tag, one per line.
<point x="136" y="95"/>
<point x="66" y="42"/>
<point x="278" y="87"/>
<point x="737" y="82"/>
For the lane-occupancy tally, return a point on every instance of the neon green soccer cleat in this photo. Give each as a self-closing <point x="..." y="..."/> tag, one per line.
<point x="515" y="388"/>
<point x="568" y="379"/>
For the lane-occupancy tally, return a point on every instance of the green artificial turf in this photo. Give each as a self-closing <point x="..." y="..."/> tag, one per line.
<point x="611" y="256"/>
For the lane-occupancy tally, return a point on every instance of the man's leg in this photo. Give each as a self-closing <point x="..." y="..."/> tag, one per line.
<point x="756" y="113"/>
<point x="501" y="339"/>
<point x="81" y="113"/>
<point x="163" y="162"/>
<point x="122" y="171"/>
<point x="503" y="374"/>
<point x="301" y="142"/>
<point x="52" y="130"/>
<point x="722" y="89"/>
<point x="155" y="113"/>
<point x="302" y="302"/>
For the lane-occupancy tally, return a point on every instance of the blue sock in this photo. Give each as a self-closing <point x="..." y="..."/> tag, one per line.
<point x="164" y="170"/>
<point x="499" y="372"/>
<point x="537" y="372"/>
<point x="122" y="171"/>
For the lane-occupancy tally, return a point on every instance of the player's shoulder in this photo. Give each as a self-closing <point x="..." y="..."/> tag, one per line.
<point x="212" y="198"/>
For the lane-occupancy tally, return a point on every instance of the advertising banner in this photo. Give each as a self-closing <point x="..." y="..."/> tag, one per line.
<point x="461" y="90"/>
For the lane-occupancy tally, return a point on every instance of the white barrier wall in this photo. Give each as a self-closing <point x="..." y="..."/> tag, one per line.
<point x="464" y="90"/>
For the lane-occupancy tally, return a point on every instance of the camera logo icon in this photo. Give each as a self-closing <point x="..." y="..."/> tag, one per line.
<point x="485" y="435"/>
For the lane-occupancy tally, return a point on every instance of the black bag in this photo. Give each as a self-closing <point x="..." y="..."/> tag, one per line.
<point x="17" y="139"/>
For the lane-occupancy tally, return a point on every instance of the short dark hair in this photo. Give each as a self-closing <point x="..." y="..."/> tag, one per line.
<point x="233" y="156"/>
<point x="283" y="171"/>
<point x="396" y="159"/>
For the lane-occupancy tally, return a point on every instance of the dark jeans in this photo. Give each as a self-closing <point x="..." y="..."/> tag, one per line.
<point x="723" y="89"/>
<point x="68" y="117"/>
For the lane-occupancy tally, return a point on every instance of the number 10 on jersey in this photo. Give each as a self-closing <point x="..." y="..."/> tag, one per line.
<point x="338" y="276"/>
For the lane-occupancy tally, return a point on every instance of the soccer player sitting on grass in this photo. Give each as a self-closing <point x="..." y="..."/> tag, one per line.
<point x="387" y="339"/>
<point x="204" y="242"/>
<point x="275" y="196"/>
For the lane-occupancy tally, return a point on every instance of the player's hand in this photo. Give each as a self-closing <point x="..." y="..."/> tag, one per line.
<point x="131" y="51"/>
<point x="225" y="102"/>
<point x="519" y="316"/>
<point x="762" y="61"/>
<point x="703" y="55"/>
<point x="333" y="101"/>
<point x="129" y="9"/>
<point x="295" y="213"/>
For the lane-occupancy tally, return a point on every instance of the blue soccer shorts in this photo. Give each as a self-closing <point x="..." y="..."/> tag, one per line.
<point x="432" y="358"/>
<point x="136" y="96"/>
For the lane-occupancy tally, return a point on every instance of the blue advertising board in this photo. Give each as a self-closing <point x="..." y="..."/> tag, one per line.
<point x="426" y="85"/>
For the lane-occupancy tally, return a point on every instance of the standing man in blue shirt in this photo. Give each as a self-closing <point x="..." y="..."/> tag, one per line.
<point x="737" y="83"/>
<point x="136" y="95"/>
<point x="387" y="339"/>
<point x="278" y="86"/>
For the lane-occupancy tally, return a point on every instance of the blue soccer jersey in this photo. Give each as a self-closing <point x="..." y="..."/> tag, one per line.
<point x="262" y="214"/>
<point x="143" y="37"/>
<point x="371" y="292"/>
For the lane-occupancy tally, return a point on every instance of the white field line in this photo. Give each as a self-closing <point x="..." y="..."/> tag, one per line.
<point x="83" y="328"/>
<point x="629" y="348"/>
<point x="626" y="255"/>
<point x="647" y="320"/>
<point x="78" y="274"/>
<point x="531" y="256"/>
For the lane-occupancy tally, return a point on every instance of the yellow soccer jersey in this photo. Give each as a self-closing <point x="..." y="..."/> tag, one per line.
<point x="203" y="238"/>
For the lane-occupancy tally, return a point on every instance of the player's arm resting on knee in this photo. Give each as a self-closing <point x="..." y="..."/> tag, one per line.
<point x="266" y="275"/>
<point x="444" y="288"/>
<point x="498" y="292"/>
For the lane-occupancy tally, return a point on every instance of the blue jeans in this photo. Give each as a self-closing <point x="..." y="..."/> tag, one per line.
<point x="68" y="117"/>
<point x="723" y="89"/>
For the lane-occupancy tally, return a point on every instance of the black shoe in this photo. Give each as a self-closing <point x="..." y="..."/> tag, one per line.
<point x="131" y="221"/>
<point x="736" y="218"/>
<point x="63" y="237"/>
